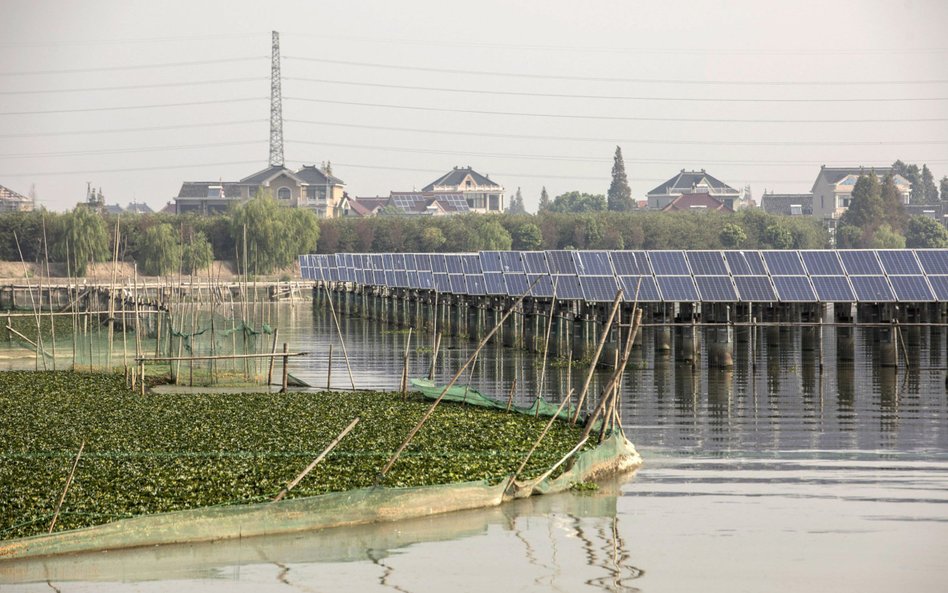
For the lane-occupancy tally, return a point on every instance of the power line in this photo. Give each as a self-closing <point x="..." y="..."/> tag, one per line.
<point x="610" y="97"/>
<point x="129" y="169"/>
<point x="617" y="117"/>
<point x="625" y="140"/>
<point x="133" y="67"/>
<point x="471" y="72"/>
<point x="135" y="86"/>
<point x="140" y="129"/>
<point x="127" y="40"/>
<point x="128" y="107"/>
<point x="131" y="150"/>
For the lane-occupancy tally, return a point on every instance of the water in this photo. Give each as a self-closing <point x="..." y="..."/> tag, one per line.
<point x="780" y="479"/>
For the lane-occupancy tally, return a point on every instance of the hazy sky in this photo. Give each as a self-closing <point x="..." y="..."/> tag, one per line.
<point x="137" y="97"/>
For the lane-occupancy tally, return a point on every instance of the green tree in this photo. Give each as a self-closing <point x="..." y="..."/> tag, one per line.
<point x="196" y="253"/>
<point x="432" y="239"/>
<point x="885" y="237"/>
<point x="576" y="202"/>
<point x="894" y="211"/>
<point x="733" y="236"/>
<point x="84" y="237"/>
<point x="276" y="235"/>
<point x="619" y="195"/>
<point x="493" y="237"/>
<point x="527" y="237"/>
<point x="924" y="232"/>
<point x="777" y="236"/>
<point x="929" y="189"/>
<point x="516" y="204"/>
<point x="943" y="188"/>
<point x="159" y="250"/>
<point x="914" y="176"/>
<point x="544" y="201"/>
<point x="849" y="236"/>
<point x="866" y="209"/>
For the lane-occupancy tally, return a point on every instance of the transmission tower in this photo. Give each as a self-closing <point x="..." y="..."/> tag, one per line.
<point x="276" y="106"/>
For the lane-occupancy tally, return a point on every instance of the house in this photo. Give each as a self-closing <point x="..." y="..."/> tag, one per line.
<point x="408" y="204"/>
<point x="832" y="190"/>
<point x="787" y="204"/>
<point x="692" y="182"/>
<point x="10" y="201"/>
<point x="309" y="187"/>
<point x="482" y="194"/>
<point x="696" y="202"/>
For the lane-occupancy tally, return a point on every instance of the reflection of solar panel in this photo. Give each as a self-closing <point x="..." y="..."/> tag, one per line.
<point x="754" y="289"/>
<point x="490" y="261"/>
<point x="641" y="288"/>
<point x="833" y="289"/>
<point x="935" y="261"/>
<point x="630" y="263"/>
<point x="561" y="262"/>
<point x="872" y="289"/>
<point x="822" y="263"/>
<point x="707" y="263"/>
<point x="745" y="263"/>
<point x="794" y="289"/>
<point x="494" y="283"/>
<point x="592" y="263"/>
<point x="910" y="288"/>
<point x="669" y="263"/>
<point x="860" y="262"/>
<point x="899" y="262"/>
<point x="677" y="289"/>
<point x="784" y="263"/>
<point x="940" y="286"/>
<point x="716" y="289"/>
<point x="598" y="289"/>
<point x="534" y="262"/>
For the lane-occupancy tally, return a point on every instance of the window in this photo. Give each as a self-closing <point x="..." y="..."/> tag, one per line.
<point x="284" y="193"/>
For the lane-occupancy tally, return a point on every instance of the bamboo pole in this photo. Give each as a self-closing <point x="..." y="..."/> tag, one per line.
<point x="536" y="444"/>
<point x="62" y="497"/>
<point x="546" y="346"/>
<point x="286" y="367"/>
<point x="36" y="347"/>
<point x="273" y="348"/>
<point x="219" y="356"/>
<point x="26" y="275"/>
<point x="454" y="379"/>
<point x="405" y="365"/>
<point x="52" y="321"/>
<point x="434" y="356"/>
<point x="513" y="389"/>
<point x="345" y="353"/>
<point x="329" y="369"/>
<point x="321" y="456"/>
<point x="595" y="360"/>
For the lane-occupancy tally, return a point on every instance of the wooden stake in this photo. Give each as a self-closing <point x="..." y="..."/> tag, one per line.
<point x="66" y="488"/>
<point x="510" y="396"/>
<point x="595" y="360"/>
<point x="273" y="349"/>
<point x="546" y="429"/>
<point x="322" y="455"/>
<point x="329" y="369"/>
<point x="286" y="367"/>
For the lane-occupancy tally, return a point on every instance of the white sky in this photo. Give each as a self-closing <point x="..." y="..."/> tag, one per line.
<point x="619" y="55"/>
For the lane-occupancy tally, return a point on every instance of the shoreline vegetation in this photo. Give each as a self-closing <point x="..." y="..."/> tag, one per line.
<point x="166" y="452"/>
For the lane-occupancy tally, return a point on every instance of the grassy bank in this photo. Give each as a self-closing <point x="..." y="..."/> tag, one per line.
<point x="165" y="452"/>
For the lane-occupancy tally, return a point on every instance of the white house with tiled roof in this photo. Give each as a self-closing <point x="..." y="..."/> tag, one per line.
<point x="833" y="189"/>
<point x="694" y="182"/>
<point x="11" y="201"/>
<point x="481" y="193"/>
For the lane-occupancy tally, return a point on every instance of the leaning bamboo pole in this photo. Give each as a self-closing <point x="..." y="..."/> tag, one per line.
<point x="595" y="360"/>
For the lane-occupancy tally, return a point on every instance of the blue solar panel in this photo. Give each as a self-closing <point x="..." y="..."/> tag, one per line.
<point x="561" y="262"/>
<point x="678" y="289"/>
<point x="453" y="263"/>
<point x="388" y="262"/>
<point x="669" y="263"/>
<point x="458" y="283"/>
<point x="490" y="261"/>
<point x="860" y="262"/>
<point x="476" y="285"/>
<point x="822" y="263"/>
<point x="784" y="263"/>
<point x="716" y="289"/>
<point x="597" y="289"/>
<point x="442" y="282"/>
<point x="935" y="261"/>
<point x="872" y="289"/>
<point x="494" y="283"/>
<point x="534" y="262"/>
<point x="413" y="281"/>
<point x="401" y="279"/>
<point x="422" y="261"/>
<point x="707" y="263"/>
<point x="389" y="277"/>
<point x="833" y="289"/>
<point x="378" y="278"/>
<point x="755" y="289"/>
<point x="426" y="280"/>
<point x="911" y="289"/>
<point x="471" y="263"/>
<point x="543" y="287"/>
<point x="516" y="284"/>
<point x="745" y="263"/>
<point x="940" y="286"/>
<point x="592" y="263"/>
<point x="410" y="262"/>
<point x="630" y="263"/>
<point x="794" y="289"/>
<point x="901" y="262"/>
<point x="567" y="287"/>
<point x="641" y="288"/>
<point x="398" y="261"/>
<point x="438" y="265"/>
<point x="511" y="261"/>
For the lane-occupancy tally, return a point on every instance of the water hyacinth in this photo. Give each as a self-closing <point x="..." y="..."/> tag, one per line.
<point x="165" y="452"/>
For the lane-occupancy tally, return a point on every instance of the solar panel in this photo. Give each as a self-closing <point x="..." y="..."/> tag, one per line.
<point x="544" y="286"/>
<point x="833" y="289"/>
<point x="592" y="263"/>
<point x="794" y="289"/>
<point x="398" y="261"/>
<point x="669" y="263"/>
<point x="401" y="279"/>
<point x="561" y="262"/>
<point x="935" y="261"/>
<point x="860" y="262"/>
<point x="426" y="280"/>
<point x="410" y="262"/>
<point x="413" y="281"/>
<point x="438" y="265"/>
<point x="471" y="263"/>
<point x="900" y="262"/>
<point x="598" y="289"/>
<point x="745" y="263"/>
<point x="378" y="278"/>
<point x="630" y="263"/>
<point x="388" y="262"/>
<point x="516" y="284"/>
<point x="534" y="262"/>
<point x="872" y="289"/>
<point x="511" y="261"/>
<point x="442" y="282"/>
<point x="822" y="263"/>
<point x="716" y="289"/>
<point x="568" y="288"/>
<point x="389" y="278"/>
<point x="755" y="289"/>
<point x="784" y="263"/>
<point x="911" y="289"/>
<point x="641" y="288"/>
<point x="476" y="285"/>
<point x="453" y="263"/>
<point x="458" y="283"/>
<point x="490" y="261"/>
<point x="940" y="286"/>
<point x="422" y="262"/>
<point x="494" y="283"/>
<point x="678" y="289"/>
<point x="707" y="263"/>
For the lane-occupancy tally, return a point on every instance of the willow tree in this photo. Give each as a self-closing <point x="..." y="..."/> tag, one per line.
<point x="84" y="238"/>
<point x="271" y="235"/>
<point x="159" y="251"/>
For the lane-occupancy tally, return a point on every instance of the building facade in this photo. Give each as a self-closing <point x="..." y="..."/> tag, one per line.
<point x="833" y="188"/>
<point x="695" y="182"/>
<point x="482" y="194"/>
<point x="787" y="204"/>
<point x="11" y="201"/>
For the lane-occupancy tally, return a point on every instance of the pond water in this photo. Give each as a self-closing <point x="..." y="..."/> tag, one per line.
<point x="784" y="475"/>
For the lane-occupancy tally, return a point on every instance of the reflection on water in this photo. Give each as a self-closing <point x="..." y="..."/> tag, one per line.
<point x="807" y="466"/>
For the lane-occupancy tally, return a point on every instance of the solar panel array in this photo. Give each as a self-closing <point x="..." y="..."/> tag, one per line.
<point x="805" y="276"/>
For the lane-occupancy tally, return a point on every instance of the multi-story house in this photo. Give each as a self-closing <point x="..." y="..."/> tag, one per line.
<point x="833" y="188"/>
<point x="787" y="204"/>
<point x="695" y="182"/>
<point x="10" y="201"/>
<point x="482" y="194"/>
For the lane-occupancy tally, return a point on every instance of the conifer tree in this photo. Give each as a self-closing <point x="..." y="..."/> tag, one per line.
<point x="619" y="195"/>
<point x="544" y="200"/>
<point x="516" y="204"/>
